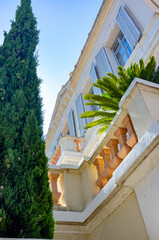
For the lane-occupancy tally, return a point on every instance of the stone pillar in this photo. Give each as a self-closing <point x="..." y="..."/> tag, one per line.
<point x="115" y="160"/>
<point x="120" y="133"/>
<point x="132" y="138"/>
<point x="101" y="181"/>
<point x="53" y="180"/>
<point x="107" y="173"/>
<point x="62" y="189"/>
<point x="73" y="191"/>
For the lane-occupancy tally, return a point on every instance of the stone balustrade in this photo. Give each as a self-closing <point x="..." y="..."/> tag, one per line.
<point x="53" y="181"/>
<point x="101" y="181"/>
<point x="67" y="144"/>
<point x="78" y="145"/>
<point x="117" y="150"/>
<point x="108" y="171"/>
<point x="132" y="137"/>
<point x="112" y="154"/>
<point x="84" y="167"/>
<point x="56" y="155"/>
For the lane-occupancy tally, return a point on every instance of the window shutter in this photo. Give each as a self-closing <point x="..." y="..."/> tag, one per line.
<point x="80" y="109"/>
<point x="128" y="28"/>
<point x="53" y="150"/>
<point x="103" y="65"/>
<point x="59" y="137"/>
<point x="71" y="124"/>
<point x="94" y="77"/>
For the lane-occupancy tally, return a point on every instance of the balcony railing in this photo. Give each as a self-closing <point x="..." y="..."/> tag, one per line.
<point x="68" y="146"/>
<point x="87" y="177"/>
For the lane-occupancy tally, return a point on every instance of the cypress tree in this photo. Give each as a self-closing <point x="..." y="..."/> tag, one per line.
<point x="25" y="199"/>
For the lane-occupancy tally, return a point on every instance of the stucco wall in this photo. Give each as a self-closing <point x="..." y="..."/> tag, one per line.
<point x="125" y="223"/>
<point x="148" y="198"/>
<point x="73" y="192"/>
<point x="141" y="19"/>
<point x="71" y="236"/>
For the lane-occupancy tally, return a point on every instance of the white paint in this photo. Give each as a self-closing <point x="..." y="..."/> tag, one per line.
<point x="69" y="157"/>
<point x="148" y="199"/>
<point x="82" y="216"/>
<point x="125" y="167"/>
<point x="133" y="85"/>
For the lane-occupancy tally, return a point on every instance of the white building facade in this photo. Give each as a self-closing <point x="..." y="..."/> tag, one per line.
<point x="106" y="186"/>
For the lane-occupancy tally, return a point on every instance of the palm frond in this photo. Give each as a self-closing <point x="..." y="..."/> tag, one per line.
<point x="155" y="76"/>
<point x="148" y="70"/>
<point x="114" y="87"/>
<point x="90" y="114"/>
<point x="98" y="122"/>
<point x="106" y="106"/>
<point x="119" y="83"/>
<point x="130" y="72"/>
<point x="101" y="101"/>
<point x="98" y="98"/>
<point x="136" y="69"/>
<point x="124" y="76"/>
<point x="102" y="129"/>
<point x="141" y="64"/>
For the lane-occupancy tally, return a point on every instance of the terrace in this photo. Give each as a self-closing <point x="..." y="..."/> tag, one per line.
<point x="88" y="173"/>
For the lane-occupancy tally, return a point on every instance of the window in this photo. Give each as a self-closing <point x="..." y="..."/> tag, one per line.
<point x="127" y="38"/>
<point x="103" y="64"/>
<point x="71" y="124"/>
<point x="94" y="77"/>
<point x="93" y="107"/>
<point x="80" y="109"/>
<point x="121" y="49"/>
<point x="99" y="69"/>
<point x="59" y="137"/>
<point x="54" y="149"/>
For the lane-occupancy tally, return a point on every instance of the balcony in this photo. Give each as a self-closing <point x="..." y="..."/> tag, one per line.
<point x="68" y="151"/>
<point x="89" y="170"/>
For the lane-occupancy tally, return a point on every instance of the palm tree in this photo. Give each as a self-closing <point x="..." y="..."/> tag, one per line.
<point x="114" y="87"/>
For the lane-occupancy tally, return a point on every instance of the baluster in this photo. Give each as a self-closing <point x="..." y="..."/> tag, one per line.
<point x="132" y="139"/>
<point x="115" y="160"/>
<point x="58" y="153"/>
<point x="120" y="133"/>
<point x="56" y="156"/>
<point x="53" y="180"/>
<point x="101" y="181"/>
<point x="77" y="145"/>
<point x="107" y="173"/>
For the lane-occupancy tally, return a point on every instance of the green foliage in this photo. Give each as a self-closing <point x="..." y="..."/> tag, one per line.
<point x="113" y="89"/>
<point x="25" y="199"/>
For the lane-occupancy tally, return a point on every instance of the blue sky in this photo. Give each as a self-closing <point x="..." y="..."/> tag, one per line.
<point x="64" y="26"/>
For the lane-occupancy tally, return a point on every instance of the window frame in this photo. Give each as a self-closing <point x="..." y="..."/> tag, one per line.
<point x="119" y="42"/>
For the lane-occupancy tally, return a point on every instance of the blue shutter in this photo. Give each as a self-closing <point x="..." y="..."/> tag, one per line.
<point x="59" y="137"/>
<point x="80" y="109"/>
<point x="54" y="149"/>
<point x="94" y="77"/>
<point x="103" y="64"/>
<point x="127" y="27"/>
<point x="71" y="124"/>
